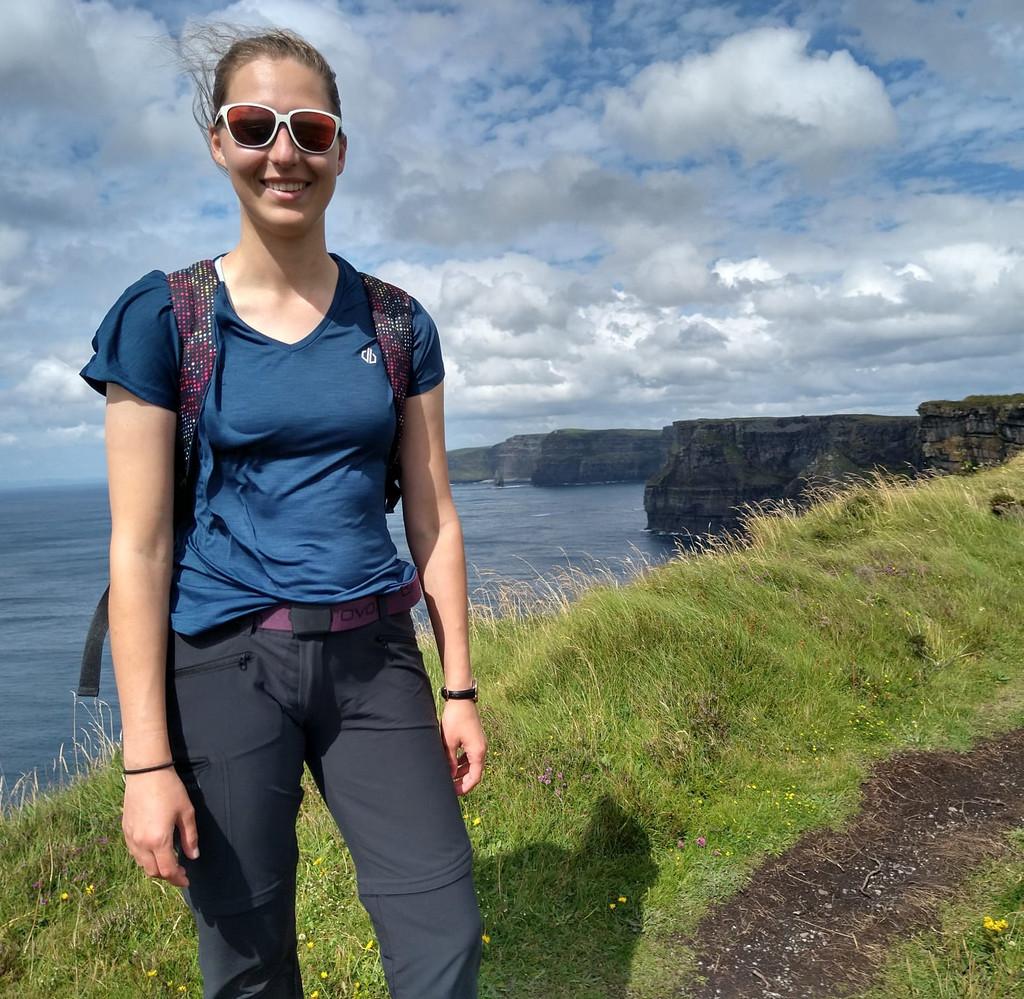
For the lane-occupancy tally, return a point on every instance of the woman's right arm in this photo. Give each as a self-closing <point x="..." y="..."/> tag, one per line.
<point x="140" y="472"/>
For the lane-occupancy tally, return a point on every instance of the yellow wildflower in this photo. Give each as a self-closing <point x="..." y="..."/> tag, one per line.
<point x="622" y="898"/>
<point x="476" y="821"/>
<point x="369" y="945"/>
<point x="323" y="974"/>
<point x="151" y="972"/>
<point x="486" y="937"/>
<point x="611" y="905"/>
<point x="64" y="896"/>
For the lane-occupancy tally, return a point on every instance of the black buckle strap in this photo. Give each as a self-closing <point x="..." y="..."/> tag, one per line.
<point x="92" y="654"/>
<point x="310" y="619"/>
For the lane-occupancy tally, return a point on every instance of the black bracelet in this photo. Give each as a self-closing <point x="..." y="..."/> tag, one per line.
<point x="145" y="770"/>
<point x="456" y="695"/>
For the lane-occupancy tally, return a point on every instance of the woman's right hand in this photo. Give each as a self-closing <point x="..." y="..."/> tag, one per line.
<point x="154" y="804"/>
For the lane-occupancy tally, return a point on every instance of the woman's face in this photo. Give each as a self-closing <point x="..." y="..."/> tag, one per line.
<point x="283" y="84"/>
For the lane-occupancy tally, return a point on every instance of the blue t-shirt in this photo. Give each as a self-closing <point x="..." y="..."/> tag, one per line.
<point x="293" y="443"/>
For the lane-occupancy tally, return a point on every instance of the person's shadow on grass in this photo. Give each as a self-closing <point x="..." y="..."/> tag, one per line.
<point x="557" y="924"/>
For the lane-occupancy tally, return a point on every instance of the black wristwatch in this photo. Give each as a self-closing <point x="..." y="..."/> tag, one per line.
<point x="459" y="695"/>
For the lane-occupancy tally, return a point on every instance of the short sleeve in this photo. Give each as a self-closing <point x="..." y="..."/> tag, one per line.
<point x="427" y="363"/>
<point x="136" y="344"/>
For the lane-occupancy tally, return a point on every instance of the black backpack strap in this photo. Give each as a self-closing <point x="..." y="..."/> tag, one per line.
<point x="391" y="309"/>
<point x="89" y="678"/>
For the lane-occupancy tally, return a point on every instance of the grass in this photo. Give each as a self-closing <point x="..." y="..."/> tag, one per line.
<point x="650" y="741"/>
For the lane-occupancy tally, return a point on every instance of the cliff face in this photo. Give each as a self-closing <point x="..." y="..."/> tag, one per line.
<point x="713" y="466"/>
<point x="977" y="430"/>
<point x="591" y="456"/>
<point x="563" y="457"/>
<point x="515" y="458"/>
<point x="470" y="464"/>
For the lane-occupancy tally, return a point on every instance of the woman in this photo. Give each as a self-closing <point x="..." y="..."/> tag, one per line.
<point x="223" y="703"/>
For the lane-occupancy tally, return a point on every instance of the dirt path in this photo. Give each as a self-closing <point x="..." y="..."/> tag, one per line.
<point x="816" y="921"/>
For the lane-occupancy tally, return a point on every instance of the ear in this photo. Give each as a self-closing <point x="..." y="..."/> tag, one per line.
<point x="216" y="153"/>
<point x="342" y="151"/>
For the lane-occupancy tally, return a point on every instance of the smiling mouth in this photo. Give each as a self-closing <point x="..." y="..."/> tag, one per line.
<point x="286" y="187"/>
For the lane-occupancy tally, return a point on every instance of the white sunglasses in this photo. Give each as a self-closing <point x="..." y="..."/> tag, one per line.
<point x="254" y="126"/>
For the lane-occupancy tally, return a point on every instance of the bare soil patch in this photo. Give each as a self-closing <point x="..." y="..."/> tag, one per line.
<point x="817" y="920"/>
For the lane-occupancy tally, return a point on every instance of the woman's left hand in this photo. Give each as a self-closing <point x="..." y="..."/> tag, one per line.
<point x="460" y="726"/>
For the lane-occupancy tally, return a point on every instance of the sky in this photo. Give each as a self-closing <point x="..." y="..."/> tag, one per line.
<point x="619" y="213"/>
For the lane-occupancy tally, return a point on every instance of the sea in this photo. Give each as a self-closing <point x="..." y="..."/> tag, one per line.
<point x="525" y="546"/>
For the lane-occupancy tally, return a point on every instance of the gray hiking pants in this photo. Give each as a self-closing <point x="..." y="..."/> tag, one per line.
<point x="246" y="707"/>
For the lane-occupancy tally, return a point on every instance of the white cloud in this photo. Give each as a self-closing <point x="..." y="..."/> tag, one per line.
<point x="975" y="267"/>
<point x="758" y="92"/>
<point x="78" y="432"/>
<point x="671" y="275"/>
<point x="51" y="382"/>
<point x="753" y="271"/>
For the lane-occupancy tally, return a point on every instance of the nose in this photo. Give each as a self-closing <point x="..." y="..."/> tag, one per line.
<point x="282" y="148"/>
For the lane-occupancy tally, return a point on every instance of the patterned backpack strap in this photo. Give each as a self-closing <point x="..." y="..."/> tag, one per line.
<point x="391" y="309"/>
<point x="192" y="295"/>
<point x="192" y="292"/>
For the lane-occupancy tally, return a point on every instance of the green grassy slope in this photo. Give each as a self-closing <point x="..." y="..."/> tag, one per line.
<point x="649" y="743"/>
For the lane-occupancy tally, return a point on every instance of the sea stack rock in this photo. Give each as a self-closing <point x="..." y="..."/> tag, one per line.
<point x="715" y="466"/>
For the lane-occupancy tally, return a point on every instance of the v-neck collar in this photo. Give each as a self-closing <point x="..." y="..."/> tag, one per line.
<point x="228" y="305"/>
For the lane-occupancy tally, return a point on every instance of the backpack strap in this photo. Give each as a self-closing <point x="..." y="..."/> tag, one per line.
<point x="192" y="294"/>
<point x="89" y="677"/>
<point x="391" y="309"/>
<point x="193" y="290"/>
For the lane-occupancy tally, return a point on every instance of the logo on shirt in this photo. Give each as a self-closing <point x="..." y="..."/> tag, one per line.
<point x="369" y="356"/>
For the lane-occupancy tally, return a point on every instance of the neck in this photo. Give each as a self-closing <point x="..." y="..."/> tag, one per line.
<point x="280" y="264"/>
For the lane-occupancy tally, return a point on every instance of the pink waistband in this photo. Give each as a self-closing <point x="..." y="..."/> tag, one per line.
<point x="344" y="615"/>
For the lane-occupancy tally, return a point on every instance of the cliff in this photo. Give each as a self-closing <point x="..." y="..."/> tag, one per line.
<point x="577" y="456"/>
<point x="514" y="459"/>
<point x="563" y="457"/>
<point x="973" y="432"/>
<point x="714" y="466"/>
<point x="470" y="464"/>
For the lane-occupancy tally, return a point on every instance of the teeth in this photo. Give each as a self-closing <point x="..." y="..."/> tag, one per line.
<point x="284" y="187"/>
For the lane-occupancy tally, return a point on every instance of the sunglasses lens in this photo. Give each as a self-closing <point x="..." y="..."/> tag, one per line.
<point x="250" y="125"/>
<point x="313" y="131"/>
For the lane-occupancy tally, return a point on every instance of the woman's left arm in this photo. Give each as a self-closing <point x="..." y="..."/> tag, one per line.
<point x="434" y="535"/>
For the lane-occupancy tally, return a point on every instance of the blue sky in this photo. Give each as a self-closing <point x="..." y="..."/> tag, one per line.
<point x="619" y="214"/>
